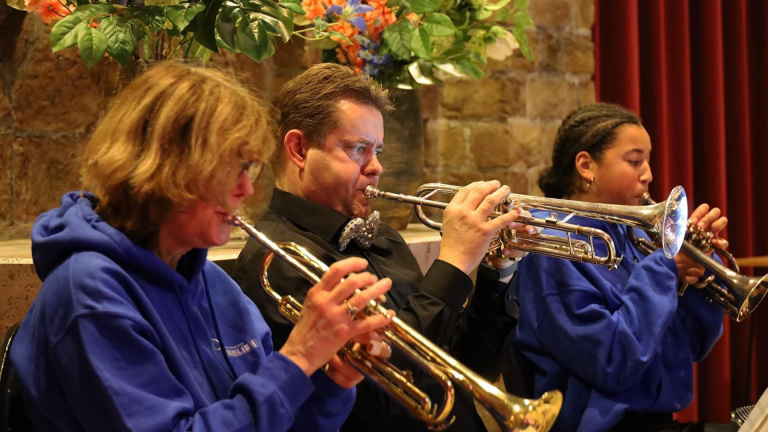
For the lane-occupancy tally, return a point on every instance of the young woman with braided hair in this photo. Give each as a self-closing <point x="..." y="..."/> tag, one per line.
<point x="619" y="343"/>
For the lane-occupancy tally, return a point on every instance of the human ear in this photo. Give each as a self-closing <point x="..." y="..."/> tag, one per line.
<point x="585" y="165"/>
<point x="296" y="146"/>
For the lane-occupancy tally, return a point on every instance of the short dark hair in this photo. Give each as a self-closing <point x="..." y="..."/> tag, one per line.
<point x="591" y="128"/>
<point x="309" y="102"/>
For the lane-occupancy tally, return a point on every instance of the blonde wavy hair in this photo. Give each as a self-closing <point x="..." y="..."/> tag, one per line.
<point x="177" y="133"/>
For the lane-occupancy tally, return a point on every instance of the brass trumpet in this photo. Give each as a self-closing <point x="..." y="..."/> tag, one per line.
<point x="511" y="412"/>
<point x="665" y="221"/>
<point x="741" y="294"/>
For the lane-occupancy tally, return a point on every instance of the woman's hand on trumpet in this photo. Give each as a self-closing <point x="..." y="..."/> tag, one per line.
<point x="330" y="318"/>
<point x="688" y="270"/>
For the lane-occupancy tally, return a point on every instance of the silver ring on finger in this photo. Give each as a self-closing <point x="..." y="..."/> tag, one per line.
<point x="351" y="310"/>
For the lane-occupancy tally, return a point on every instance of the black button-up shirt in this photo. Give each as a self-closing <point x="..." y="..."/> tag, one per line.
<point x="432" y="304"/>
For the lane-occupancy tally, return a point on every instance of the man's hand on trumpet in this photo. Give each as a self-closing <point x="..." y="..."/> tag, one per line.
<point x="707" y="219"/>
<point x="330" y="318"/>
<point x="469" y="225"/>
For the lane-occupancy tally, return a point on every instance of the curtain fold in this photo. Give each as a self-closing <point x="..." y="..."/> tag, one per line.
<point x="696" y="72"/>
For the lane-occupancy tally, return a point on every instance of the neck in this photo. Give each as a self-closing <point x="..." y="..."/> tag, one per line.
<point x="169" y="254"/>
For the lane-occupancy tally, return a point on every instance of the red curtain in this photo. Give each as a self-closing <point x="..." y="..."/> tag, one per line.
<point x="697" y="73"/>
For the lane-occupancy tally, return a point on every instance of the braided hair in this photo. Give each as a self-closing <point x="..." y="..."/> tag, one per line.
<point x="591" y="128"/>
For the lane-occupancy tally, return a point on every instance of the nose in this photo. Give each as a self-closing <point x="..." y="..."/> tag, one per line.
<point x="243" y="187"/>
<point x="646" y="176"/>
<point x="373" y="167"/>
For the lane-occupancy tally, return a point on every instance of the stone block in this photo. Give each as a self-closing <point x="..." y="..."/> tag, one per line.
<point x="525" y="143"/>
<point x="577" y="54"/>
<point x="490" y="145"/>
<point x="548" y="134"/>
<point x="6" y="146"/>
<point x="15" y="231"/>
<point x="587" y="94"/>
<point x="5" y="105"/>
<point x="584" y="14"/>
<point x="549" y="49"/>
<point x="246" y="70"/>
<point x="513" y="97"/>
<point x="431" y="144"/>
<point x="44" y="169"/>
<point x="19" y="286"/>
<point x="452" y="145"/>
<point x="533" y="174"/>
<point x="550" y="97"/>
<point x="296" y="54"/>
<point x="473" y="98"/>
<point x="550" y="13"/>
<point x="430" y="101"/>
<point x="53" y="91"/>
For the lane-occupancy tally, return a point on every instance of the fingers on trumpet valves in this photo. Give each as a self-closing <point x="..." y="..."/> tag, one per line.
<point x="379" y="349"/>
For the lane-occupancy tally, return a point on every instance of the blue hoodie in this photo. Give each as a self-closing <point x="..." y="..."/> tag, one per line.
<point x="117" y="340"/>
<point x="611" y="340"/>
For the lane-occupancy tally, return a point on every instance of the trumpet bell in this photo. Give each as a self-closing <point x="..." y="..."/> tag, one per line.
<point x="753" y="298"/>
<point x="675" y="215"/>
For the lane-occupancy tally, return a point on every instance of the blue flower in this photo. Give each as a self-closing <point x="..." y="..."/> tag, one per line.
<point x="351" y="13"/>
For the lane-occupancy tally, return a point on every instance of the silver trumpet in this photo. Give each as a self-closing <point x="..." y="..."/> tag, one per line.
<point x="665" y="221"/>
<point x="511" y="412"/>
<point x="740" y="295"/>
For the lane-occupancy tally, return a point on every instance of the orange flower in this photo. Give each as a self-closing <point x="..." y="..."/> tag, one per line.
<point x="48" y="10"/>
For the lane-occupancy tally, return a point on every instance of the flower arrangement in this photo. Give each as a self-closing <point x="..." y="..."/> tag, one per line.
<point x="160" y="29"/>
<point x="402" y="43"/>
<point x="405" y="43"/>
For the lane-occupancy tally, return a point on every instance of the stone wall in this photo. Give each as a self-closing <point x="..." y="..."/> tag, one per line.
<point x="501" y="127"/>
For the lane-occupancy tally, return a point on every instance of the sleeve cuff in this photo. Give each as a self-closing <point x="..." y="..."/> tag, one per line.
<point x="447" y="283"/>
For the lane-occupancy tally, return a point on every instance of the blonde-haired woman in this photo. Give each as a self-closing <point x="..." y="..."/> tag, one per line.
<point x="133" y="329"/>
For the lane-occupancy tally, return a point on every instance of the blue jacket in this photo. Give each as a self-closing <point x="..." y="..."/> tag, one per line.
<point x="612" y="340"/>
<point x="117" y="340"/>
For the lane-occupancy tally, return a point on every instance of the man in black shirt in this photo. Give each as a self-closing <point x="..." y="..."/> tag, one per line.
<point x="331" y="131"/>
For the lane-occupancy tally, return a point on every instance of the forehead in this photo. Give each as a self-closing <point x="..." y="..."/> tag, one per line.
<point x="631" y="138"/>
<point x="357" y="120"/>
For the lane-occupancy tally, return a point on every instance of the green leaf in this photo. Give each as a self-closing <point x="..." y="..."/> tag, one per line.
<point x="419" y="76"/>
<point x="497" y="6"/>
<point x="320" y="24"/>
<point x="256" y="45"/>
<point x="340" y="35"/>
<point x="398" y="39"/>
<point x="121" y="42"/>
<point x="439" y="25"/>
<point x="421" y="43"/>
<point x="151" y="16"/>
<point x="424" y="6"/>
<point x="92" y="44"/>
<point x="182" y="14"/>
<point x="503" y="15"/>
<point x="280" y="19"/>
<point x="204" y="24"/>
<point x="294" y="7"/>
<point x="64" y="33"/>
<point x="226" y="26"/>
<point x="88" y="11"/>
<point x="482" y="13"/>
<point x="17" y="4"/>
<point x="469" y="68"/>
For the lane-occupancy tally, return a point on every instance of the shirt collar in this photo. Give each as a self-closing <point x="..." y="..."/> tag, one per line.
<point x="317" y="218"/>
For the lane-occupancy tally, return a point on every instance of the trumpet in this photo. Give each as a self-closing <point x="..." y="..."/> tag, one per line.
<point x="511" y="412"/>
<point x="665" y="221"/>
<point x="741" y="294"/>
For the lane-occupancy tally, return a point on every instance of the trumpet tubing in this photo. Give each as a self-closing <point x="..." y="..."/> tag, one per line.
<point x="665" y="220"/>
<point x="741" y="295"/>
<point x="511" y="412"/>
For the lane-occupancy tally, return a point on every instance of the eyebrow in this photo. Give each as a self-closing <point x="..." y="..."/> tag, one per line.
<point x="365" y="142"/>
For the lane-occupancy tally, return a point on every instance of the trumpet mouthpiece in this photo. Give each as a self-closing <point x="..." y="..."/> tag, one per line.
<point x="372" y="192"/>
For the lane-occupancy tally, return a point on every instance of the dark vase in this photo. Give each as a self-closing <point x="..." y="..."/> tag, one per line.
<point x="402" y="158"/>
<point x="117" y="76"/>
